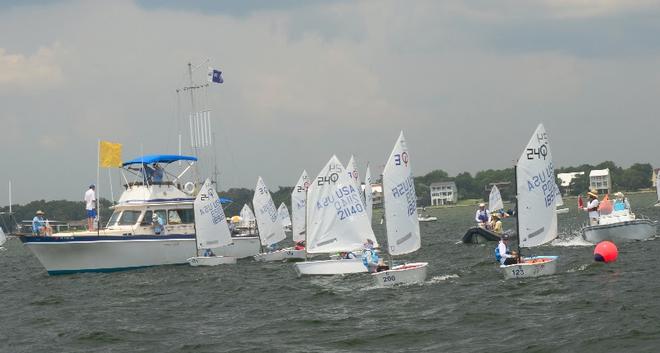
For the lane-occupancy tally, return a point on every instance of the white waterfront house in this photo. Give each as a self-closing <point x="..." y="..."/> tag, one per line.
<point x="443" y="193"/>
<point x="567" y="178"/>
<point x="600" y="180"/>
<point x="377" y="193"/>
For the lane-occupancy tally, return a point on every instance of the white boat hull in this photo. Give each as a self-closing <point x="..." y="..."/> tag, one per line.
<point x="330" y="267"/>
<point x="61" y="255"/>
<point x="281" y="255"/>
<point x="637" y="229"/>
<point x="530" y="268"/>
<point x="402" y="274"/>
<point x="562" y="210"/>
<point x="241" y="248"/>
<point x="427" y="219"/>
<point x="211" y="260"/>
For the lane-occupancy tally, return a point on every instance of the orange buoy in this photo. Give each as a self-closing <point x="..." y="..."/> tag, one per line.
<point x="606" y="251"/>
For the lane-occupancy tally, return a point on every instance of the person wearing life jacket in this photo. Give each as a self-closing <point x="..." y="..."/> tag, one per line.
<point x="502" y="254"/>
<point x="369" y="256"/>
<point x="592" y="207"/>
<point x="496" y="223"/>
<point x="621" y="202"/>
<point x="482" y="217"/>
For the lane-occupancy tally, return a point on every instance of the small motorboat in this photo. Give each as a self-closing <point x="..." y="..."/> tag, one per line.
<point x="620" y="226"/>
<point x="479" y="235"/>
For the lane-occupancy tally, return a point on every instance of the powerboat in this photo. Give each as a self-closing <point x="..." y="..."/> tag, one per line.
<point x="620" y="226"/>
<point x="130" y="239"/>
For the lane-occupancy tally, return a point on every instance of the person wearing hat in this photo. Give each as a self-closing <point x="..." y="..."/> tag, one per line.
<point x="621" y="202"/>
<point x="592" y="207"/>
<point x="157" y="223"/>
<point x="496" y="223"/>
<point x="482" y="217"/>
<point x="90" y="206"/>
<point x="502" y="254"/>
<point x="39" y="225"/>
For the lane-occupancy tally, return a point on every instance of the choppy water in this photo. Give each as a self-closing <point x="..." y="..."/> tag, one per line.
<point x="465" y="305"/>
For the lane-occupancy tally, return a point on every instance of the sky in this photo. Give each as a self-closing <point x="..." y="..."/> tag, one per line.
<point x="467" y="82"/>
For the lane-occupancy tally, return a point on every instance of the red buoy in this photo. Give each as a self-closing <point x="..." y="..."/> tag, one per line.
<point x="606" y="251"/>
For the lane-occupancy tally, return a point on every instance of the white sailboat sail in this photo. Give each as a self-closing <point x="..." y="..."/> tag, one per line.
<point x="211" y="228"/>
<point x="536" y="185"/>
<point x="657" y="184"/>
<point x="353" y="173"/>
<point x="268" y="221"/>
<point x="3" y="237"/>
<point x="495" y="199"/>
<point x="247" y="217"/>
<point x="283" y="212"/>
<point x="336" y="218"/>
<point x="559" y="201"/>
<point x="403" y="234"/>
<point x="368" y="194"/>
<point x="298" y="208"/>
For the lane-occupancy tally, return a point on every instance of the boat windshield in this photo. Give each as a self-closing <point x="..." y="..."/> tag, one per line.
<point x="129" y="218"/>
<point x="113" y="218"/>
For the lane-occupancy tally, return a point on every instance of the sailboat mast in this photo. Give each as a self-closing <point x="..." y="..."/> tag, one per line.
<point x="382" y="186"/>
<point x="515" y="192"/>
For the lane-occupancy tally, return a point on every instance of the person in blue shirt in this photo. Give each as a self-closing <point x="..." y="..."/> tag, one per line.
<point x="158" y="224"/>
<point x="39" y="225"/>
<point x="621" y="202"/>
<point x="157" y="175"/>
<point x="369" y="256"/>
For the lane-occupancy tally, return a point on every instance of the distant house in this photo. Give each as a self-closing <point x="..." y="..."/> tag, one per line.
<point x="377" y="193"/>
<point x="566" y="179"/>
<point x="600" y="180"/>
<point x="443" y="193"/>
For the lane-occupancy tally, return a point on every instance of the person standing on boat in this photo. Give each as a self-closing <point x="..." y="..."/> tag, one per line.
<point x="369" y="256"/>
<point x="158" y="223"/>
<point x="90" y="206"/>
<point x="482" y="217"/>
<point x="621" y="202"/>
<point x="40" y="226"/>
<point x="592" y="207"/>
<point x="157" y="174"/>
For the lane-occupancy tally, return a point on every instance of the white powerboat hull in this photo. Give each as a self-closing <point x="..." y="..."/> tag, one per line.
<point x="427" y="219"/>
<point x="242" y="247"/>
<point x="534" y="266"/>
<point x="562" y="210"/>
<point x="281" y="255"/>
<point x="211" y="260"/>
<point x="637" y="229"/>
<point x="61" y="255"/>
<point x="330" y="267"/>
<point x="402" y="274"/>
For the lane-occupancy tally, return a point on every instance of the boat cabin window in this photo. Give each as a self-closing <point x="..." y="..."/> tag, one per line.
<point x="181" y="216"/>
<point x="129" y="218"/>
<point x="113" y="218"/>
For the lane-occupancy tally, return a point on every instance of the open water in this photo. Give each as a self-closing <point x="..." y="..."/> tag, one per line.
<point x="464" y="306"/>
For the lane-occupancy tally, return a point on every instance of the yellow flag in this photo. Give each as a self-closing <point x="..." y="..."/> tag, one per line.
<point x="110" y="154"/>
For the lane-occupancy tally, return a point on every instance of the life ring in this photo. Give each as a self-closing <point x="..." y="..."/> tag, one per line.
<point x="189" y="187"/>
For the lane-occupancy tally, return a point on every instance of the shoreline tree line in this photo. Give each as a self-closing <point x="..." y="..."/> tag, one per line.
<point x="637" y="176"/>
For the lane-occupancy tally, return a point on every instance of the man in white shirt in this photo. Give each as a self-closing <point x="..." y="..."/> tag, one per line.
<point x="592" y="207"/>
<point x="90" y="206"/>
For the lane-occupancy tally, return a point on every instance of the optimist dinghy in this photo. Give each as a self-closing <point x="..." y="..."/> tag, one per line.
<point x="211" y="228"/>
<point x="332" y="229"/>
<point x="401" y="222"/>
<point x="535" y="207"/>
<point x="269" y="223"/>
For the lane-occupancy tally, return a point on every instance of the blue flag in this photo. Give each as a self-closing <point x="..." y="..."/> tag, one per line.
<point x="215" y="76"/>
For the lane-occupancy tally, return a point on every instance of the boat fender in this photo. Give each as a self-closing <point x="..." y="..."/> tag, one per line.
<point x="189" y="187"/>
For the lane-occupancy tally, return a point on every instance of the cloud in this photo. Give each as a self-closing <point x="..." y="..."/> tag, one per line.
<point x="31" y="72"/>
